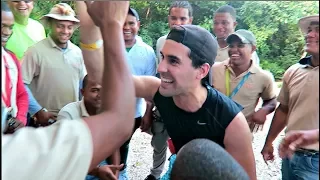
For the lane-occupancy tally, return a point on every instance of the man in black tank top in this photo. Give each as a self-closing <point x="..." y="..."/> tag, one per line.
<point x="189" y="106"/>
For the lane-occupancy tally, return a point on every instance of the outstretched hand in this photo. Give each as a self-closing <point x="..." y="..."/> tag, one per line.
<point x="297" y="139"/>
<point x="105" y="12"/>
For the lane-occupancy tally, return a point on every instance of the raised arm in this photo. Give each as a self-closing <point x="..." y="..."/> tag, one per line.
<point x="90" y="35"/>
<point x="116" y="79"/>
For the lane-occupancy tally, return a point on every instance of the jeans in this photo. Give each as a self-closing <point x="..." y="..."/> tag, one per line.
<point x="302" y="166"/>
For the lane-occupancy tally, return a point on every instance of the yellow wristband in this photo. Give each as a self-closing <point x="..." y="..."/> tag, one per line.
<point x="93" y="46"/>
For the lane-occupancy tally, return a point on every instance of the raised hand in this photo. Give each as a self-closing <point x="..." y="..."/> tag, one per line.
<point x="106" y="12"/>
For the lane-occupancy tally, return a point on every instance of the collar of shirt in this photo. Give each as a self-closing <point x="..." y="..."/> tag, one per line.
<point x="139" y="43"/>
<point x="84" y="112"/>
<point x="54" y="45"/>
<point x="306" y="62"/>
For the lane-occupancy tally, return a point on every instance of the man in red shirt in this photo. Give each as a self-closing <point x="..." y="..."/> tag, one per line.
<point x="13" y="93"/>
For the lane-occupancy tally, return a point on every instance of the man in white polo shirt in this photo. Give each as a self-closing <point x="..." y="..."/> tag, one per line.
<point x="90" y="105"/>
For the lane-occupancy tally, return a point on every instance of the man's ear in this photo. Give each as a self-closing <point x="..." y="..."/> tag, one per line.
<point x="203" y="70"/>
<point x="190" y="20"/>
<point x="235" y="23"/>
<point x="253" y="48"/>
<point x="82" y="91"/>
<point x="138" y="24"/>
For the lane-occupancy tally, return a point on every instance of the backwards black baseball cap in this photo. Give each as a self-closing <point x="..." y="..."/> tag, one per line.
<point x="201" y="42"/>
<point x="134" y="13"/>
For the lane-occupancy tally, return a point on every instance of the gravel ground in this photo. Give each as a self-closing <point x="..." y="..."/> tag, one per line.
<point x="140" y="156"/>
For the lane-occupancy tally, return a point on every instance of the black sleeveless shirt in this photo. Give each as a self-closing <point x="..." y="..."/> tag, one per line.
<point x="209" y="122"/>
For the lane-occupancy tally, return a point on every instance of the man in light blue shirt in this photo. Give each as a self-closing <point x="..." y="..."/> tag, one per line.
<point x="142" y="61"/>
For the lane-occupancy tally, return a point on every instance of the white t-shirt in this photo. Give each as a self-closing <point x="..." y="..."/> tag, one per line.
<point x="61" y="151"/>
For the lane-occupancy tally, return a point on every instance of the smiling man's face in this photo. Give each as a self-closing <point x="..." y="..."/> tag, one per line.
<point x="130" y="28"/>
<point x="21" y="8"/>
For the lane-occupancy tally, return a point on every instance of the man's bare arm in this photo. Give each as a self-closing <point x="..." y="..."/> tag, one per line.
<point x="90" y="33"/>
<point x="146" y="86"/>
<point x="269" y="105"/>
<point x="278" y="123"/>
<point x="113" y="121"/>
<point x="237" y="141"/>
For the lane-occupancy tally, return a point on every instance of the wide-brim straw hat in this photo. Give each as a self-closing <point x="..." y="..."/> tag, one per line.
<point x="305" y="22"/>
<point x="61" y="12"/>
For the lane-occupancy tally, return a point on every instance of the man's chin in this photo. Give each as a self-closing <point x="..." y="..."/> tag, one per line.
<point x="63" y="41"/>
<point x="221" y="38"/>
<point x="165" y="92"/>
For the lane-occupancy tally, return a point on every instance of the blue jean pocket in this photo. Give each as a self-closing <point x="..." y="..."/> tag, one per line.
<point x="305" y="167"/>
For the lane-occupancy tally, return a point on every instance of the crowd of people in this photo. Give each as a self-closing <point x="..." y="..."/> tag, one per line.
<point x="73" y="110"/>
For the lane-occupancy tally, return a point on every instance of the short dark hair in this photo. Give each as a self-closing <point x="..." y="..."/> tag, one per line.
<point x="84" y="81"/>
<point x="227" y="9"/>
<point x="182" y="4"/>
<point x="203" y="159"/>
<point x="5" y="7"/>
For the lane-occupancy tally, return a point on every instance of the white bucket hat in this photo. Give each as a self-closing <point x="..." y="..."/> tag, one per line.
<point x="305" y="22"/>
<point x="61" y="12"/>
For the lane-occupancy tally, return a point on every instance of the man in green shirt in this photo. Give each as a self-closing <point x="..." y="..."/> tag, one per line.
<point x="26" y="31"/>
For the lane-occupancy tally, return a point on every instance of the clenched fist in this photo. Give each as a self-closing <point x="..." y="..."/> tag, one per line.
<point x="108" y="12"/>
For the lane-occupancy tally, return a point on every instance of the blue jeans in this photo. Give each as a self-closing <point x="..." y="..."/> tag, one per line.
<point x="302" y="166"/>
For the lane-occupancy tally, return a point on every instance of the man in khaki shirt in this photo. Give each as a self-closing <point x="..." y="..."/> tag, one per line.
<point x="299" y="107"/>
<point x="67" y="150"/>
<point x="53" y="67"/>
<point x="224" y="23"/>
<point x="243" y="81"/>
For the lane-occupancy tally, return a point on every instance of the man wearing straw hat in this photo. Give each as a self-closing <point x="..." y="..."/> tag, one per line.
<point x="53" y="67"/>
<point x="299" y="109"/>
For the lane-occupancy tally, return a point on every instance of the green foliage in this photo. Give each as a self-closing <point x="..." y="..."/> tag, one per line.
<point x="274" y="23"/>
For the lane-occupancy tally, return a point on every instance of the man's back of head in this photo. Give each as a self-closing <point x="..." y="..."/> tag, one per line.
<point x="203" y="159"/>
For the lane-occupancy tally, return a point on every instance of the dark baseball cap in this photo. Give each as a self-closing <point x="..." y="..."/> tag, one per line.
<point x="134" y="13"/>
<point x="200" y="41"/>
